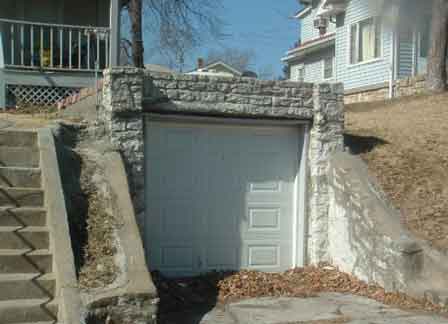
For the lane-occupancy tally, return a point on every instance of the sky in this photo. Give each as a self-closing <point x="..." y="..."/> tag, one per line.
<point x="264" y="26"/>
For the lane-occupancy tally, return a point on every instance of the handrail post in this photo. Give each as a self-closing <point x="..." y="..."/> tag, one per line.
<point x="115" y="21"/>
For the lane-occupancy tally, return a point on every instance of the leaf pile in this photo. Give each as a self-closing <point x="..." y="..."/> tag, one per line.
<point x="225" y="287"/>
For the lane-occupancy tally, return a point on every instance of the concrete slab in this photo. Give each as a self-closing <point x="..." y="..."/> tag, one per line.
<point x="284" y="310"/>
<point x="402" y="320"/>
<point x="326" y="307"/>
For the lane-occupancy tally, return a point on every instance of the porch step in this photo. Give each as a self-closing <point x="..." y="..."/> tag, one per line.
<point x="28" y="311"/>
<point x="26" y="286"/>
<point x="11" y="156"/>
<point x="24" y="238"/>
<point x="21" y="197"/>
<point x="18" y="138"/>
<point x="20" y="177"/>
<point x="25" y="261"/>
<point x="23" y="216"/>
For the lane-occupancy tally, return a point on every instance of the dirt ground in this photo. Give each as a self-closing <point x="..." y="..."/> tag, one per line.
<point x="405" y="143"/>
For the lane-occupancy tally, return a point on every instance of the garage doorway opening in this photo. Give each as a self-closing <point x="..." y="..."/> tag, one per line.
<point x="224" y="194"/>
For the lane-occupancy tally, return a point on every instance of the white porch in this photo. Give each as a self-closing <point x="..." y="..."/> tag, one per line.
<point x="53" y="48"/>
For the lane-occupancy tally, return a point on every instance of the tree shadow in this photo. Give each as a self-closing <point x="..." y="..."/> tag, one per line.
<point x="77" y="204"/>
<point x="358" y="144"/>
<point x="187" y="300"/>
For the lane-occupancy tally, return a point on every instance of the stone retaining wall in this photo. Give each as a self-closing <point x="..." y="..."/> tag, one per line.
<point x="129" y="94"/>
<point x="238" y="97"/>
<point x="405" y="87"/>
<point x="411" y="86"/>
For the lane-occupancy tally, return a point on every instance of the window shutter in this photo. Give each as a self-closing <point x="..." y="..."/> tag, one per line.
<point x="378" y="37"/>
<point x="353" y="42"/>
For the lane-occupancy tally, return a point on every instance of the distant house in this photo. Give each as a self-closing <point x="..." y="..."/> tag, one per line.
<point x="158" y="68"/>
<point x="50" y="49"/>
<point x="366" y="44"/>
<point x="218" y="68"/>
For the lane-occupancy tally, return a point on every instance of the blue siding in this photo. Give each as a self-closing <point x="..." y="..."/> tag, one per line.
<point x="376" y="71"/>
<point x="314" y="66"/>
<point x="308" y="31"/>
<point x="405" y="55"/>
<point x="363" y="74"/>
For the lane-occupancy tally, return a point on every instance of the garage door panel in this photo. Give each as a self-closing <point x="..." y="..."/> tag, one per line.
<point x="177" y="220"/>
<point x="221" y="256"/>
<point x="273" y="256"/>
<point x="213" y="170"/>
<point x="264" y="218"/>
<point x="262" y="256"/>
<point x="174" y="260"/>
<point x="222" y="218"/>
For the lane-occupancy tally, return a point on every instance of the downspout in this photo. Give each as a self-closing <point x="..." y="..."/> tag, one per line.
<point x="392" y="65"/>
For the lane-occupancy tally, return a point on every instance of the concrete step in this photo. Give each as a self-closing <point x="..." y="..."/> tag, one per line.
<point x="20" y="177"/>
<point x="26" y="286"/>
<point x="19" y="157"/>
<point x="35" y="238"/>
<point x="21" y="197"/>
<point x="28" y="311"/>
<point x="25" y="261"/>
<point x="18" y="138"/>
<point x="24" y="216"/>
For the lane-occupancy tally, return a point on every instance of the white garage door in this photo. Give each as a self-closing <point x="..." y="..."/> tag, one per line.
<point x="220" y="197"/>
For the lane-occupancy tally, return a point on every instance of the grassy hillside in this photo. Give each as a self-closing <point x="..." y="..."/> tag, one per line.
<point x="405" y="143"/>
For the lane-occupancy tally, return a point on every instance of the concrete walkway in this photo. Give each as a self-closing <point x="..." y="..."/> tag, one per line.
<point x="325" y="309"/>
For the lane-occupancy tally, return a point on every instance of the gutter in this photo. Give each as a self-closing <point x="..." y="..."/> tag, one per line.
<point x="311" y="46"/>
<point x="392" y="65"/>
<point x="302" y="13"/>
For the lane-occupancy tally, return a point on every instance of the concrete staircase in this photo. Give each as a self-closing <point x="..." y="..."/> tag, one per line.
<point x="27" y="282"/>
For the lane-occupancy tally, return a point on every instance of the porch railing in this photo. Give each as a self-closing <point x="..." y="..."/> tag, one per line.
<point x="30" y="45"/>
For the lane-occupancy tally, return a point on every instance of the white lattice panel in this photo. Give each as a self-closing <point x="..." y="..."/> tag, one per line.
<point x="39" y="95"/>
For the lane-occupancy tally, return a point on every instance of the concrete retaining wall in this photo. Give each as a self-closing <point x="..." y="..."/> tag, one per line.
<point x="71" y="310"/>
<point x="133" y="298"/>
<point x="368" y="240"/>
<point x="129" y="94"/>
<point x="366" y="236"/>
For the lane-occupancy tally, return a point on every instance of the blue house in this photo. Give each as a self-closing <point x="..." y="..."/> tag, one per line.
<point x="366" y="44"/>
<point x="50" y="49"/>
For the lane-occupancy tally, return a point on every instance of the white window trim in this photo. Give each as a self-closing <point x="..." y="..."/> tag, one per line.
<point x="349" y="47"/>
<point x="298" y="67"/>
<point x="323" y="68"/>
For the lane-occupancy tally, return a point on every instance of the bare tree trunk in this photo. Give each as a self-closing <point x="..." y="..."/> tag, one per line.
<point x="136" y="16"/>
<point x="437" y="75"/>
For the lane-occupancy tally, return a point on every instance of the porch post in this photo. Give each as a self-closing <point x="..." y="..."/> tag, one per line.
<point x="115" y="24"/>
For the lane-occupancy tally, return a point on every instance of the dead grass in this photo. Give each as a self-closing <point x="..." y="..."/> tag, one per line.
<point x="405" y="143"/>
<point x="99" y="268"/>
<point x="21" y="120"/>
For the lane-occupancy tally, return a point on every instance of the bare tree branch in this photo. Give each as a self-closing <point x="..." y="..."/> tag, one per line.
<point x="178" y="26"/>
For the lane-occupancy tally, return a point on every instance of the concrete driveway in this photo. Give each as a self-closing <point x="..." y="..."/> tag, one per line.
<point x="330" y="308"/>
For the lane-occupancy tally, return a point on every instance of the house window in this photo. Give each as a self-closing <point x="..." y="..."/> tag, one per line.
<point x="328" y="67"/>
<point x="298" y="73"/>
<point x="365" y="40"/>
